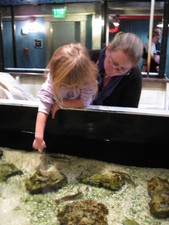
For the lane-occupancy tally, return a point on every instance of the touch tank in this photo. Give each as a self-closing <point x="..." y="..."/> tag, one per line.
<point x="98" y="168"/>
<point x="63" y="189"/>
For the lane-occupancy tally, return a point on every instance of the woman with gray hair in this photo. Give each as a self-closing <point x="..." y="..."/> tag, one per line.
<point x="120" y="79"/>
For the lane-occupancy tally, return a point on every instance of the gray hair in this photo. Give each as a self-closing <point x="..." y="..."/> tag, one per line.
<point x="130" y="44"/>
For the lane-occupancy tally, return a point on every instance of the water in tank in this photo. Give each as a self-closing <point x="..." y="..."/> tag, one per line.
<point x="56" y="189"/>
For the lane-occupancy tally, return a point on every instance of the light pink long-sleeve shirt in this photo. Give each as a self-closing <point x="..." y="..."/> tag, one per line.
<point x="84" y="94"/>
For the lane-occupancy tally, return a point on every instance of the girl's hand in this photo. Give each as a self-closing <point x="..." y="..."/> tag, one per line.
<point x="55" y="107"/>
<point x="39" y="145"/>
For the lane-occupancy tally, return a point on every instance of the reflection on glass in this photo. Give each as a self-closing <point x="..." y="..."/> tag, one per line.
<point x="52" y="26"/>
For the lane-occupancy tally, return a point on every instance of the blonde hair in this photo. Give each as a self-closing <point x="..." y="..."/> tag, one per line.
<point x="130" y="44"/>
<point x="118" y="34"/>
<point x="71" y="65"/>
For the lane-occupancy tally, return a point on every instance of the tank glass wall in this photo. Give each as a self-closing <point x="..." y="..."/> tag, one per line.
<point x="38" y="30"/>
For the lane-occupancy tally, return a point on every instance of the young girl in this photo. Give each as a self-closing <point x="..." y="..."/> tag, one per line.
<point x="71" y="83"/>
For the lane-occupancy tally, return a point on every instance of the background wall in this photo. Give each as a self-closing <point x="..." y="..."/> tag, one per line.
<point x="7" y="43"/>
<point x="71" y="30"/>
<point x="53" y="35"/>
<point x="34" y="57"/>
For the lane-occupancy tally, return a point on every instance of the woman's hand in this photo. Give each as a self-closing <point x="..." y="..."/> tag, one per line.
<point x="39" y="144"/>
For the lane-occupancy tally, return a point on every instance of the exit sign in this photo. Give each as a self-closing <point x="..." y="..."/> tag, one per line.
<point x="59" y="13"/>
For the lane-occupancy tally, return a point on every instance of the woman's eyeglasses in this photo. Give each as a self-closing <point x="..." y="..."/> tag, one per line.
<point x="121" y="70"/>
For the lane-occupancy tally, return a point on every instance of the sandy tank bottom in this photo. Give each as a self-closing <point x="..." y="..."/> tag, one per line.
<point x="19" y="207"/>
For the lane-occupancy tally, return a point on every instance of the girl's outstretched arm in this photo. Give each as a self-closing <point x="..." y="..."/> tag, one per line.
<point x="39" y="143"/>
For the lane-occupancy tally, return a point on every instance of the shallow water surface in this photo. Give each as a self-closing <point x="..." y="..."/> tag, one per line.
<point x="19" y="206"/>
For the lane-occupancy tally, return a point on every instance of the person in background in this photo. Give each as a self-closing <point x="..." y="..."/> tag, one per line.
<point x="120" y="79"/>
<point x="158" y="45"/>
<point x="155" y="52"/>
<point x="71" y="83"/>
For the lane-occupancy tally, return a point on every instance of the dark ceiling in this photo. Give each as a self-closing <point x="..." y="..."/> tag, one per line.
<point x="21" y="2"/>
<point x="32" y="2"/>
<point x="35" y="2"/>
